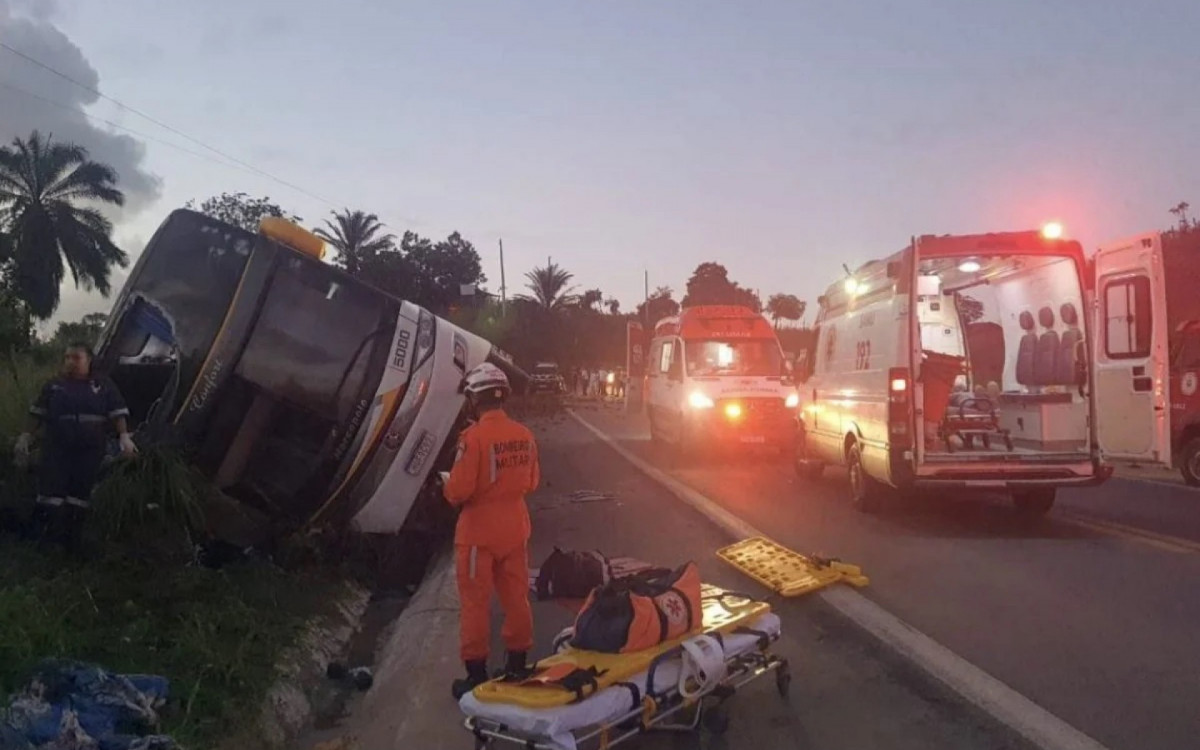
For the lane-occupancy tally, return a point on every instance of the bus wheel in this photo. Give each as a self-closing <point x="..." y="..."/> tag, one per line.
<point x="866" y="494"/>
<point x="1034" y="503"/>
<point x="1189" y="463"/>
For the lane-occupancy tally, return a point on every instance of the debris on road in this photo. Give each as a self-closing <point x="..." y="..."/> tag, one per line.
<point x="589" y="496"/>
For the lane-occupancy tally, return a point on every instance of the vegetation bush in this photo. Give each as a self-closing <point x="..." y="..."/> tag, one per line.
<point x="216" y="634"/>
<point x="151" y="506"/>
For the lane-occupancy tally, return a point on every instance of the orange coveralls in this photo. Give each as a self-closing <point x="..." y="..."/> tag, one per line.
<point x="497" y="466"/>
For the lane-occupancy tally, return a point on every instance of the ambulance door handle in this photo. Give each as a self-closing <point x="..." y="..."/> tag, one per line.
<point x="1143" y="384"/>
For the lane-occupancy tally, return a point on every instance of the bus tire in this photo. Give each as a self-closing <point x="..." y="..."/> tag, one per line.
<point x="1034" y="503"/>
<point x="1189" y="462"/>
<point x="866" y="493"/>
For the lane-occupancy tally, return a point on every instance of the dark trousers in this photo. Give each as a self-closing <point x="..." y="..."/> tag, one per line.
<point x="66" y="476"/>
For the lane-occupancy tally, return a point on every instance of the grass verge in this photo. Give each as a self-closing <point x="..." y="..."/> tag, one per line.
<point x="216" y="634"/>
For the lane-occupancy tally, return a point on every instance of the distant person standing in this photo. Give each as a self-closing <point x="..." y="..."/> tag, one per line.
<point x="594" y="384"/>
<point x="74" y="409"/>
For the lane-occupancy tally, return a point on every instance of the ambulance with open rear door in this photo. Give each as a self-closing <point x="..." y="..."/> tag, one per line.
<point x="960" y="363"/>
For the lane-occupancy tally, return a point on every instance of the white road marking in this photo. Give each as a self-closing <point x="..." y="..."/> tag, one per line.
<point x="1031" y="721"/>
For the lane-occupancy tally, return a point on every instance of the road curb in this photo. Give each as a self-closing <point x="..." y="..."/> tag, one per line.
<point x="998" y="700"/>
<point x="408" y="704"/>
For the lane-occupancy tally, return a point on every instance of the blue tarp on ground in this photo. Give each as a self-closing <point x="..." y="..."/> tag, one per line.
<point x="74" y="706"/>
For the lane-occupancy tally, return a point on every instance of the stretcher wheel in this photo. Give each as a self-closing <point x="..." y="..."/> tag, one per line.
<point x="716" y="719"/>
<point x="783" y="680"/>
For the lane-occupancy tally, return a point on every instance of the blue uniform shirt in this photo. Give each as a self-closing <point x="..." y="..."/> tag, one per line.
<point x="75" y="412"/>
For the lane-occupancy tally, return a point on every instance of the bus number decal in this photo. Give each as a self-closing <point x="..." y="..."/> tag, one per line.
<point x="863" y="359"/>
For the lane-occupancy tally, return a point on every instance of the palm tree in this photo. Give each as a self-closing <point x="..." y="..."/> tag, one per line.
<point x="550" y="287"/>
<point x="355" y="236"/>
<point x="42" y="184"/>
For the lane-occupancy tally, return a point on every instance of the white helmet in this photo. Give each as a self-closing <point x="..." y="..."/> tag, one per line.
<point x="486" y="377"/>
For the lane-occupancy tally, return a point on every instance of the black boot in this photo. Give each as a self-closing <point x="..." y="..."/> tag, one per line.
<point x="515" y="666"/>
<point x="476" y="676"/>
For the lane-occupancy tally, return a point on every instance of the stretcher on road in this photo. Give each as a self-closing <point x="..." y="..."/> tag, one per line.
<point x="722" y="612"/>
<point x="680" y="686"/>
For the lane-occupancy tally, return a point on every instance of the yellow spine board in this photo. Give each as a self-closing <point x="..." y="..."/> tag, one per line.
<point x="723" y="613"/>
<point x="785" y="571"/>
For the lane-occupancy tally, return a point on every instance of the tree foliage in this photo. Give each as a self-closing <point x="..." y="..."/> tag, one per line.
<point x="550" y="287"/>
<point x="427" y="273"/>
<point x="87" y="330"/>
<point x="661" y="304"/>
<point x="785" y="307"/>
<point x="241" y="210"/>
<point x="357" y="236"/>
<point x="710" y="285"/>
<point x="49" y="193"/>
<point x="591" y="300"/>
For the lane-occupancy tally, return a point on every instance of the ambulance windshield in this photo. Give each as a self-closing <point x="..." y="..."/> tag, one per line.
<point x="755" y="357"/>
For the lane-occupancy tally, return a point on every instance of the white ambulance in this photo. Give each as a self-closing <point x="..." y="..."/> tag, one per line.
<point x="959" y="363"/>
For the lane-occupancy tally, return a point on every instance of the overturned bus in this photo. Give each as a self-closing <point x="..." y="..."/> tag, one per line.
<point x="300" y="390"/>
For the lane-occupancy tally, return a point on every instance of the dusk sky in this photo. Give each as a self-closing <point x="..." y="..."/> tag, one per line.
<point x="781" y="139"/>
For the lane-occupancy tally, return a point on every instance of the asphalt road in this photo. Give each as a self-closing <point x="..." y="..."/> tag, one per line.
<point x="848" y="692"/>
<point x="1091" y="613"/>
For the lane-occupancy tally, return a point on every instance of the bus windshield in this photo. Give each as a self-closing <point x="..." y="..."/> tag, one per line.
<point x="753" y="357"/>
<point x="312" y="342"/>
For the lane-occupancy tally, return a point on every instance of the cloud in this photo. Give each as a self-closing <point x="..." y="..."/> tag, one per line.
<point x="33" y="98"/>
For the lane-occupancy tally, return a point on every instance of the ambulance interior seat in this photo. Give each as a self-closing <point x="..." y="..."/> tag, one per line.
<point x="1045" y="359"/>
<point x="1068" y="348"/>
<point x="1027" y="351"/>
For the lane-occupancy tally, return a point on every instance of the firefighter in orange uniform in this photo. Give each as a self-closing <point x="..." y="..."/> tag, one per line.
<point x="496" y="467"/>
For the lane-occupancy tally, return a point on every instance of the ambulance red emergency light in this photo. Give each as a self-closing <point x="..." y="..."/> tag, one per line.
<point x="716" y="373"/>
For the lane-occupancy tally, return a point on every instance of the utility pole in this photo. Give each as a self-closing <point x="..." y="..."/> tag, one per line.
<point x="503" y="289"/>
<point x="646" y="301"/>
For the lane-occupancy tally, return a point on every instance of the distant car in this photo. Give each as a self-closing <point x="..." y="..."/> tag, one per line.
<point x="546" y="379"/>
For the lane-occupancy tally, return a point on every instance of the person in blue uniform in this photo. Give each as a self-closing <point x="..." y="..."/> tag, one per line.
<point x="74" y="410"/>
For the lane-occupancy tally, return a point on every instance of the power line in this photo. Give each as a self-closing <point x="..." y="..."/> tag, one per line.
<point x="10" y="86"/>
<point x="230" y="161"/>
<point x="163" y="125"/>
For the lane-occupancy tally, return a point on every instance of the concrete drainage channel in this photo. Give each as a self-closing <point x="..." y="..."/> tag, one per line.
<point x="417" y="641"/>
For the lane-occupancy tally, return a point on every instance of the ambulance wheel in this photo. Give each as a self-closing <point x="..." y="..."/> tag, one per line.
<point x="1189" y="462"/>
<point x="866" y="494"/>
<point x="783" y="680"/>
<point x="1034" y="503"/>
<point x="716" y="718"/>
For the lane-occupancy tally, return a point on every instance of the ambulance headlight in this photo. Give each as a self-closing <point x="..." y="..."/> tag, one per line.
<point x="699" y="401"/>
<point x="793" y="400"/>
